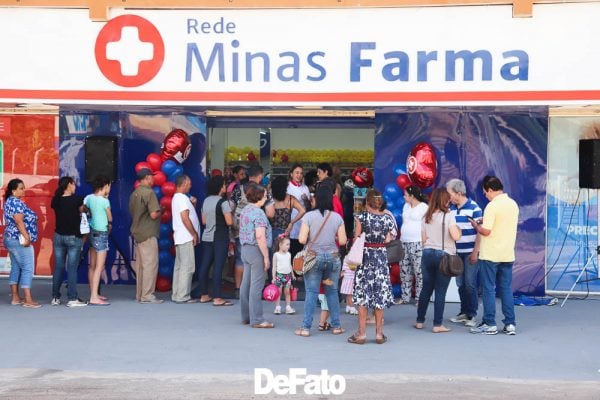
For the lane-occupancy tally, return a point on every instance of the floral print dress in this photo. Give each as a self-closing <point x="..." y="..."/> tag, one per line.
<point x="372" y="287"/>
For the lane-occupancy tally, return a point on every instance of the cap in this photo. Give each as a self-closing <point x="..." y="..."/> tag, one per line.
<point x="143" y="172"/>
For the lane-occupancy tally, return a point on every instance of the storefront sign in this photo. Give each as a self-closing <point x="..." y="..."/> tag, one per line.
<point x="449" y="55"/>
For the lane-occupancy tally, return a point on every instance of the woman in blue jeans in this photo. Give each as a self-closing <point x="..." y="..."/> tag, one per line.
<point x="320" y="228"/>
<point x="20" y="234"/>
<point x="439" y="231"/>
<point x="67" y="241"/>
<point x="216" y="218"/>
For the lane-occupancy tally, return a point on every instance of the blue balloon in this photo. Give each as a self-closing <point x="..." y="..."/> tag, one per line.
<point x="396" y="290"/>
<point x="178" y="171"/>
<point x="165" y="258"/>
<point x="165" y="231"/>
<point x="398" y="215"/>
<point x="398" y="169"/>
<point x="164" y="243"/>
<point x="168" y="167"/>
<point x="400" y="203"/>
<point x="165" y="271"/>
<point x="158" y="192"/>
<point x="392" y="190"/>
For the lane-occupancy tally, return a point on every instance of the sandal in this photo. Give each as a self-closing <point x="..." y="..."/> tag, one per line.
<point x="440" y="329"/>
<point x="338" y="331"/>
<point x="356" y="340"/>
<point x="302" y="332"/>
<point x="264" y="325"/>
<point x="419" y="325"/>
<point x="325" y="326"/>
<point x="223" y="304"/>
<point x="381" y="340"/>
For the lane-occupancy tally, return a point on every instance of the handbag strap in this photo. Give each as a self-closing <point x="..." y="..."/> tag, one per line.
<point x="319" y="231"/>
<point x="443" y="230"/>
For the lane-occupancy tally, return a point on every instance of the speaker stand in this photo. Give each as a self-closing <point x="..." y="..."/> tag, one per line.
<point x="590" y="258"/>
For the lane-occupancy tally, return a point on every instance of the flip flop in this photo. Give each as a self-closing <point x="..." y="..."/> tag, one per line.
<point x="355" y="340"/>
<point x="302" y="332"/>
<point x="206" y="301"/>
<point x="338" y="331"/>
<point x="31" y="305"/>
<point x="381" y="340"/>
<point x="99" y="304"/>
<point x="223" y="304"/>
<point x="440" y="329"/>
<point x="18" y="303"/>
<point x="419" y="325"/>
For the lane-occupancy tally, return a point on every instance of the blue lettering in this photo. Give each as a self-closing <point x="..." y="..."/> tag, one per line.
<point x="266" y="65"/>
<point x="423" y="59"/>
<point x="522" y="65"/>
<point x="194" y="54"/>
<point x="294" y="66"/>
<point x="389" y="70"/>
<point x="356" y="62"/>
<point x="316" y="66"/>
<point x="468" y="59"/>
<point x="235" y="62"/>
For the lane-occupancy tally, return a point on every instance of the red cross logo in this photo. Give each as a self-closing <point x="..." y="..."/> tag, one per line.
<point x="129" y="51"/>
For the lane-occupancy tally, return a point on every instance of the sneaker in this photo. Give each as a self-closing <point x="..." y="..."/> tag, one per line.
<point x="353" y="311"/>
<point x="77" y="303"/>
<point x="152" y="301"/>
<point x="471" y="322"/>
<point x="485" y="329"/>
<point x="510" y="329"/>
<point x="55" y="301"/>
<point x="459" y="319"/>
<point x="289" y="310"/>
<point x="277" y="310"/>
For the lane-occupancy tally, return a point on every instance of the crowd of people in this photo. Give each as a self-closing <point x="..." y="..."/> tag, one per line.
<point x="261" y="228"/>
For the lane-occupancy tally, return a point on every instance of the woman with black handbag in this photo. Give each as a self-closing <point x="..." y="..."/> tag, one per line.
<point x="440" y="233"/>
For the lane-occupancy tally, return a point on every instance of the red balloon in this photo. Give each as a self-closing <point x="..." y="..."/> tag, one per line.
<point x="403" y="181"/>
<point x="142" y="164"/>
<point x="176" y="146"/>
<point x="362" y="177"/>
<point x="165" y="217"/>
<point x="395" y="273"/>
<point x="166" y="202"/>
<point x="284" y="158"/>
<point x="159" y="178"/>
<point x="163" y="284"/>
<point x="251" y="156"/>
<point x="136" y="184"/>
<point x="216" y="172"/>
<point x="154" y="161"/>
<point x="421" y="165"/>
<point x="168" y="189"/>
<point x="173" y="251"/>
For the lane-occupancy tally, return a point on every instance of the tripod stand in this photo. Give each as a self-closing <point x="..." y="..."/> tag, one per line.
<point x="589" y="260"/>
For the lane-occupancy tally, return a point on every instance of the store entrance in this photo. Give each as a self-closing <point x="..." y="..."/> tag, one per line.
<point x="278" y="145"/>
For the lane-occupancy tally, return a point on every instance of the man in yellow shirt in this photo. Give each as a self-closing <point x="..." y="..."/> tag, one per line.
<point x="498" y="233"/>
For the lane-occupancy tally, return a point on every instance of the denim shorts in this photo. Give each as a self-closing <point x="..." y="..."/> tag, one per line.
<point x="238" y="253"/>
<point x="99" y="240"/>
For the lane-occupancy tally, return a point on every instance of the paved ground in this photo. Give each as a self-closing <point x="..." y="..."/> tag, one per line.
<point x="197" y="351"/>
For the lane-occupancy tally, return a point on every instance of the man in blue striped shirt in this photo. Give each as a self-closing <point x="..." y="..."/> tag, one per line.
<point x="467" y="247"/>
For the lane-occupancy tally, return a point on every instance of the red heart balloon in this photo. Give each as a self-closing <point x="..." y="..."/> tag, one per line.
<point x="421" y="165"/>
<point x="176" y="146"/>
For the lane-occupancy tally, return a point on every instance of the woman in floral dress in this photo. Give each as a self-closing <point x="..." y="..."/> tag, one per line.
<point x="372" y="287"/>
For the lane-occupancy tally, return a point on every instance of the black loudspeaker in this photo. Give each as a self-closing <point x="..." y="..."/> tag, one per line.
<point x="589" y="163"/>
<point x="101" y="157"/>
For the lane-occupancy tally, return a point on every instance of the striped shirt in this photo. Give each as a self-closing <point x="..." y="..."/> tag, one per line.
<point x="466" y="243"/>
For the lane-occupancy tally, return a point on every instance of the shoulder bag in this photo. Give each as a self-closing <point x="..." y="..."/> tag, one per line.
<point x="450" y="264"/>
<point x="305" y="259"/>
<point x="395" y="250"/>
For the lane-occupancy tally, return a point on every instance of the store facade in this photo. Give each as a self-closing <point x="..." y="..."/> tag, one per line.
<point x="468" y="91"/>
